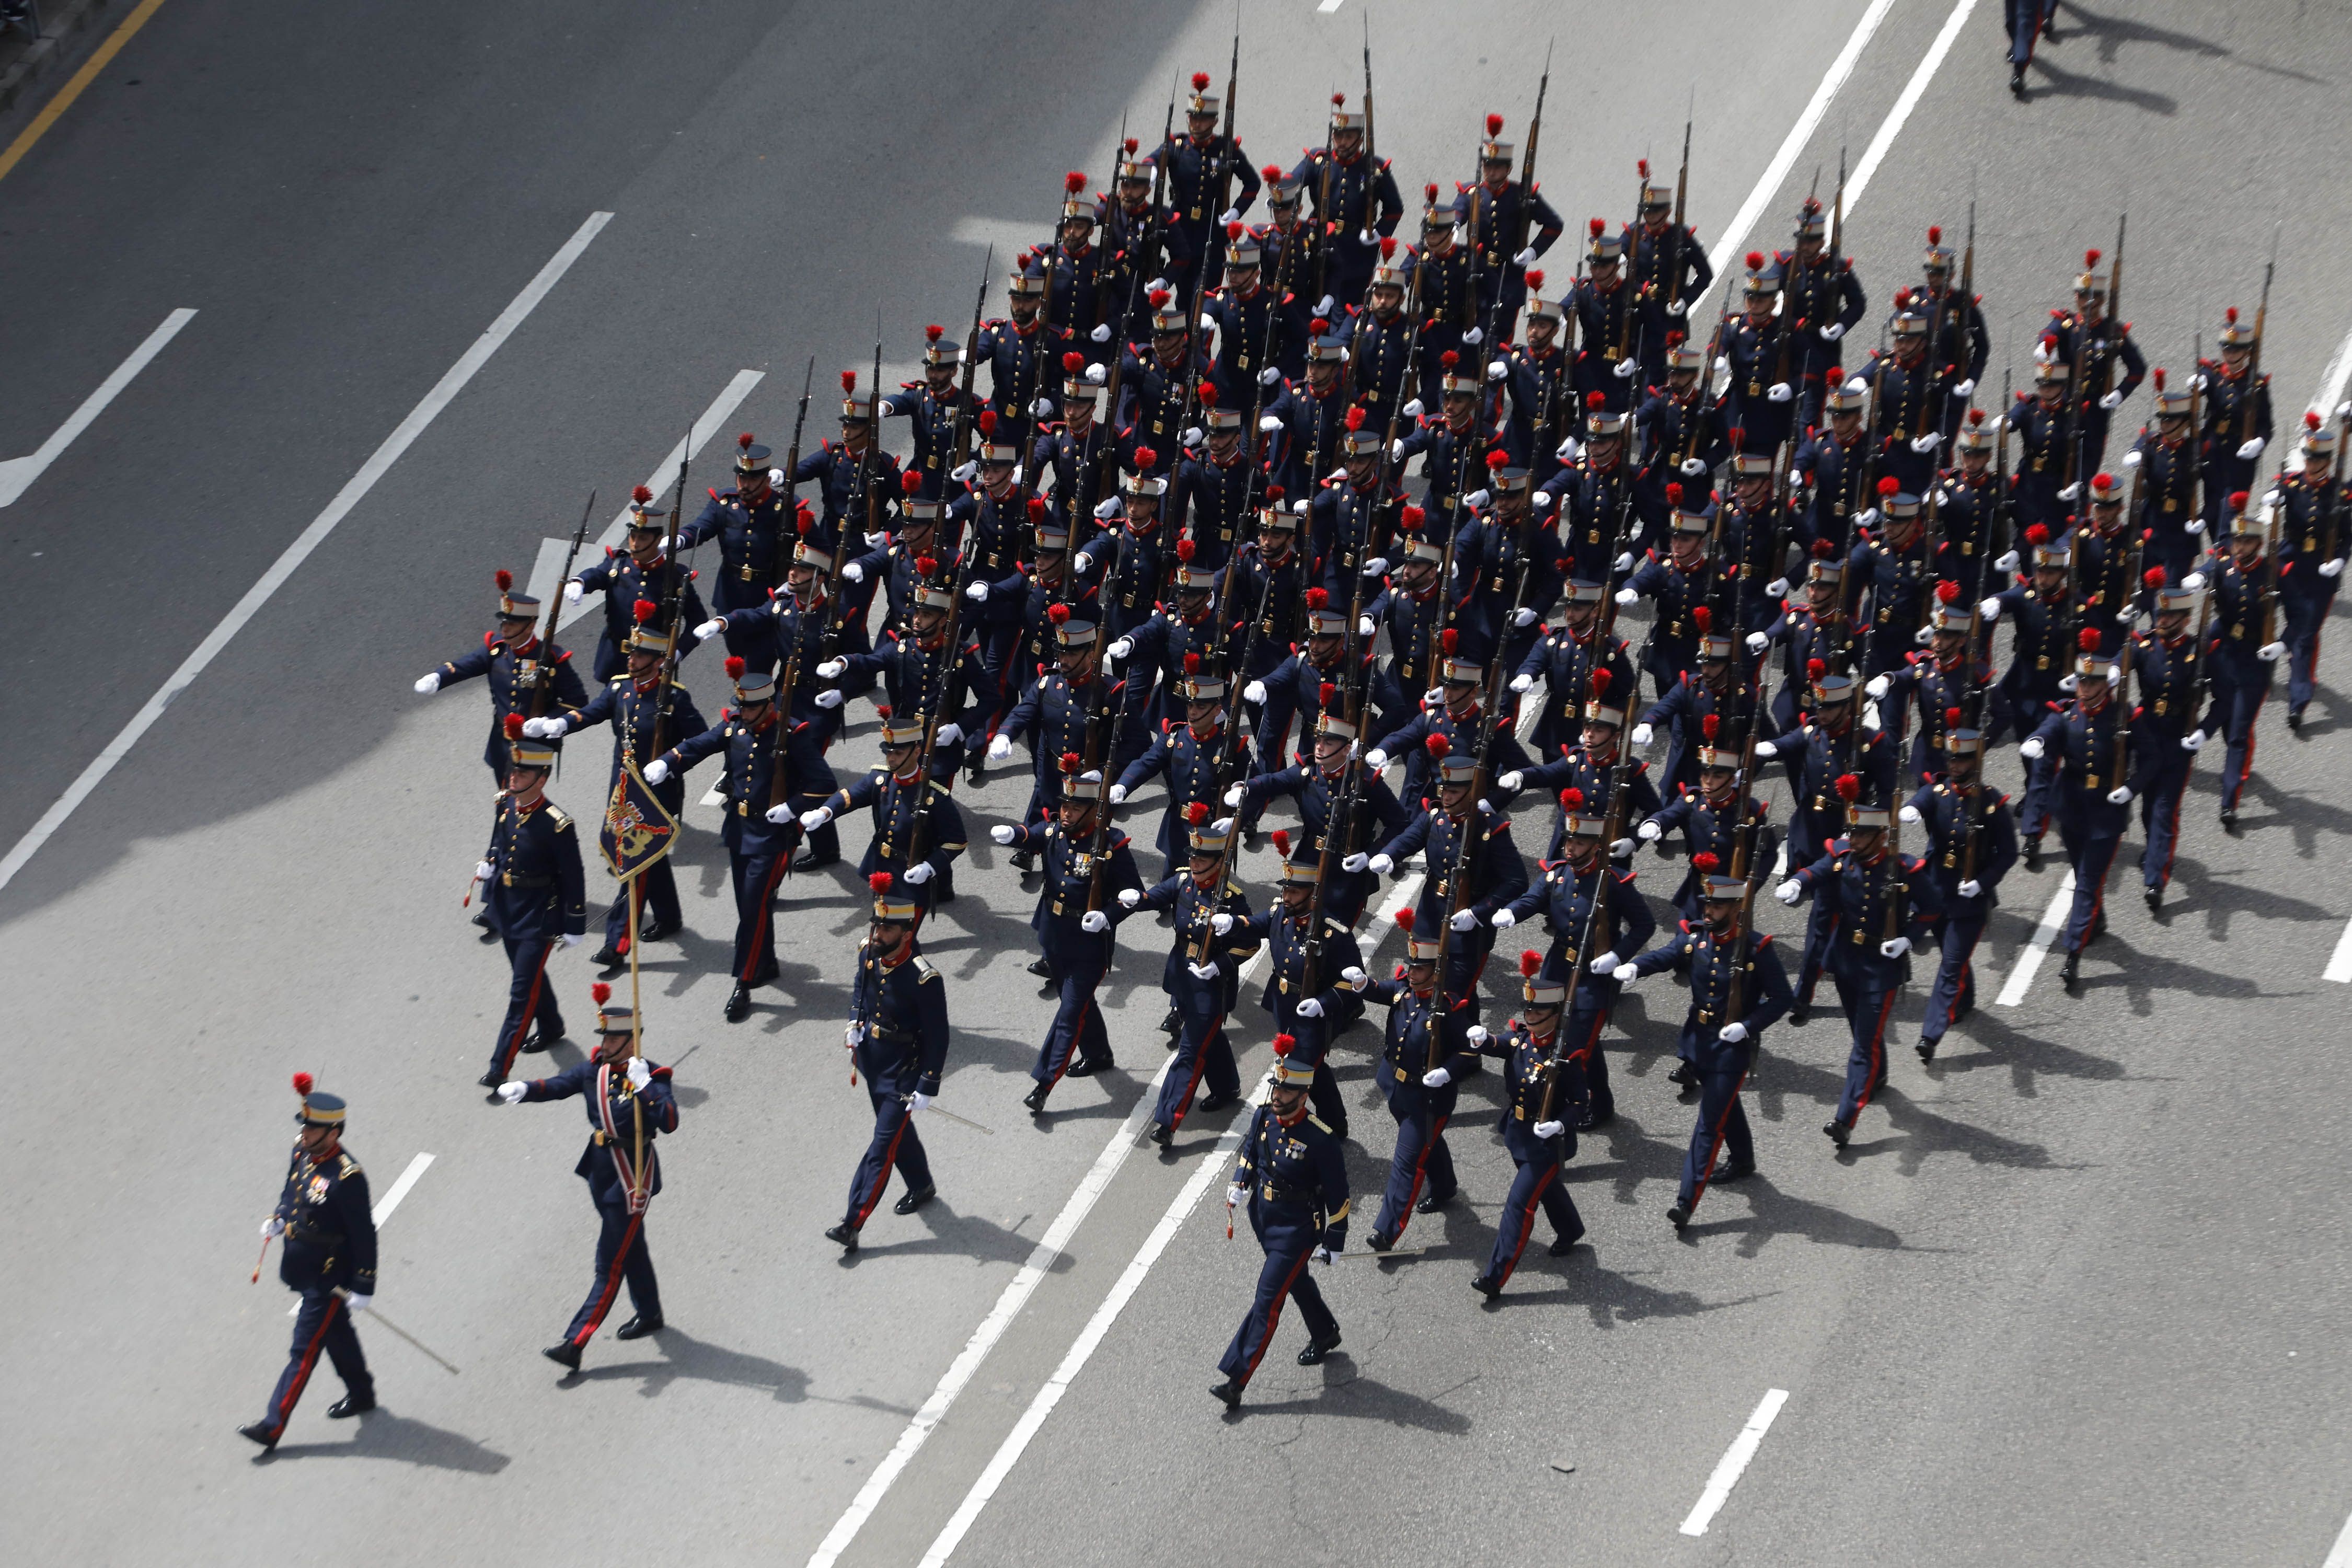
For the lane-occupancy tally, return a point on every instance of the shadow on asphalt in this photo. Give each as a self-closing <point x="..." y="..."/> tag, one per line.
<point x="1364" y="1398"/>
<point x="951" y="1235"/>
<point x="380" y="1435"/>
<point x="683" y="1357"/>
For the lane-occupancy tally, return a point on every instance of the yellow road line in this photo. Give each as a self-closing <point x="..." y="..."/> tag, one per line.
<point x="55" y="108"/>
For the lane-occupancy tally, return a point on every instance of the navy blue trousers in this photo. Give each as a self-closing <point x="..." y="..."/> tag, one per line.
<point x="1077" y="1026"/>
<point x="1420" y="1155"/>
<point x="896" y="1145"/>
<point x="1281" y="1277"/>
<point x="1536" y="1185"/>
<point x="1868" y="1005"/>
<point x="755" y="878"/>
<point x="1955" y="990"/>
<point x="1202" y="1052"/>
<point x="320" y="1322"/>
<point x="1721" y="1122"/>
<point x="621" y="1253"/>
<point x="529" y="997"/>
<point x="660" y="897"/>
<point x="2093" y="855"/>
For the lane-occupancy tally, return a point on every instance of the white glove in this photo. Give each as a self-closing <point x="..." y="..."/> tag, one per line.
<point x="1970" y="887"/>
<point x="1129" y="898"/>
<point x="427" y="685"/>
<point x="1383" y="864"/>
<point x="1620" y="849"/>
<point x="1355" y="863"/>
<point x="916" y="874"/>
<point x="1253" y="692"/>
<point x="1757" y="642"/>
<point x="484" y="871"/>
<point x="1201" y="971"/>
<point x="1523" y="683"/>
<point x="976" y="590"/>
<point x="1642" y="735"/>
<point x="831" y="668"/>
<point x="851" y="572"/>
<point x="1605" y="964"/>
<point x="1376" y="759"/>
<point x="1322" y="1255"/>
<point x="1353" y="976"/>
<point x="2194" y="525"/>
<point x="357" y="1302"/>
<point x="2193" y="582"/>
<point x="1674" y="307"/>
<point x="1523" y="616"/>
<point x="947" y="734"/>
<point x="1231" y="214"/>
<point x="828" y="698"/>
<point x="1094" y="922"/>
<point x="1192" y="437"/>
<point x="1526" y="259"/>
<point x="1267" y="377"/>
<point x="1119" y="795"/>
<point x="1767" y="749"/>
<point x="1299" y="507"/>
<point x="273" y="1226"/>
<point x="1733" y="1034"/>
<point x="2269" y="653"/>
<point x="1865" y="517"/>
<point x="1221" y="923"/>
<point x="1910" y="816"/>
<point x="2006" y="561"/>
<point x="1101" y="334"/>
<point x="1694" y="467"/>
<point x="2071" y="491"/>
<point x="1086" y="564"/>
<point x="2113" y="400"/>
<point x="657" y="771"/>
<point x="1569" y="451"/>
<point x="512" y="1092"/>
<point x="554" y="728"/>
<point x="639" y="1074"/>
<point x="2131" y="459"/>
<point x="779" y="814"/>
<point x="570" y="939"/>
<point x="966" y="474"/>
<point x="1964" y="390"/>
<point x="1504" y="920"/>
<point x="1003" y="833"/>
<point x="1894" y="947"/>
<point x="1625" y="973"/>
<point x="1464" y="920"/>
<point x="1623" y="563"/>
<point x="2119" y="795"/>
<point x="1326" y="306"/>
<point x="1043" y="408"/>
<point x="2030" y="748"/>
<point x="917" y="1101"/>
<point x="1309" y="1008"/>
<point x="1649" y="832"/>
<point x="1475" y="336"/>
<point x="1510" y="783"/>
<point x="1831" y="332"/>
<point x="1626" y="596"/>
<point x="999" y="748"/>
<point x="1723" y="365"/>
<point x="574" y="591"/>
<point x="1990" y="609"/>
<point x="2194" y="741"/>
<point x="1626" y="369"/>
<point x="1095" y="377"/>
<point x="1413" y="409"/>
<point x="1236" y="1194"/>
<point x="1928" y="443"/>
<point x="1496" y="370"/>
<point x="1790" y="891"/>
<point x="1550" y="1129"/>
<point x="710" y="628"/>
<point x="1437" y="1077"/>
<point x="2251" y="450"/>
<point x="1396" y="450"/>
<point x="1364" y="627"/>
<point x="1781" y="392"/>
<point x="1475" y="500"/>
<point x="1879" y="686"/>
<point x="2332" y="568"/>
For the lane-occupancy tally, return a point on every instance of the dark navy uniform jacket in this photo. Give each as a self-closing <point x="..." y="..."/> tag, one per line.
<point x="2168" y="682"/>
<point x="1190" y="766"/>
<point x="1755" y="354"/>
<point x="2237" y="631"/>
<point x="754" y="541"/>
<point x="1814" y="760"/>
<point x="1495" y="869"/>
<point x="513" y="675"/>
<point x="623" y="582"/>
<point x="535" y="891"/>
<point x="1377" y="817"/>
<point x="1868" y="903"/>
<point x="764" y="637"/>
<point x="1711" y="964"/>
<point x="1406" y="1048"/>
<point x="2083" y="752"/>
<point x="1285" y="936"/>
<point x="1272" y="596"/>
<point x="1362" y="195"/>
<point x="1577" y="768"/>
<point x="330" y="1231"/>
<point x="1599" y="516"/>
<point x="1566" y="662"/>
<point x="932" y="416"/>
<point x="1069" y="866"/>
<point x="1053" y="717"/>
<point x="894" y="803"/>
<point x="1194" y="909"/>
<point x="2041" y="641"/>
<point x="1195" y="171"/>
<point x="1211" y="491"/>
<point x="1565" y="896"/>
<point x="1971" y="834"/>
<point x="613" y="1122"/>
<point x="1811" y="298"/>
<point x="912" y="675"/>
<point x="1527" y="1072"/>
<point x="1839" y="477"/>
<point x="2314" y="527"/>
<point x="635" y="712"/>
<point x="899" y="1015"/>
<point x="1709" y="829"/>
<point x="1297" y="1180"/>
<point x="1651" y="262"/>
<point x="1024" y="363"/>
<point x="751" y="783"/>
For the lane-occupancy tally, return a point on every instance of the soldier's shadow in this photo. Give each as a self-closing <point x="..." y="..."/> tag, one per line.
<point x="1773" y="1213"/>
<point x="936" y="1230"/>
<point x="381" y="1435"/>
<point x="2313" y="821"/>
<point x="1607" y="1297"/>
<point x="1346" y="1392"/>
<point x="2218" y="897"/>
<point x="2025" y="1055"/>
<point x="683" y="1357"/>
<point x="977" y="934"/>
<point x="2146" y="979"/>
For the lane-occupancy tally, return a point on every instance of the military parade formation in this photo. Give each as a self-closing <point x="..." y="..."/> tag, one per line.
<point x="1293" y="513"/>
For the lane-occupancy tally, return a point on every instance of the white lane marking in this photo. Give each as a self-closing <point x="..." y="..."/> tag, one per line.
<point x="1735" y="238"/>
<point x="2028" y="962"/>
<point x="389" y="1202"/>
<point x="1735" y="1460"/>
<point x="2340" y="1554"/>
<point x="401" y="437"/>
<point x="17" y="474"/>
<point x="663" y="482"/>
<point x="1328" y="6"/>
<point x="2339" y="966"/>
<point x="991" y="1328"/>
<point x="1090" y="1338"/>
<point x="1011" y="237"/>
<point x="2332" y="384"/>
<point x="1893" y="124"/>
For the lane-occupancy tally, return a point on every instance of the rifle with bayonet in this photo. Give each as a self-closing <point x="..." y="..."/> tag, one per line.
<point x="542" y="674"/>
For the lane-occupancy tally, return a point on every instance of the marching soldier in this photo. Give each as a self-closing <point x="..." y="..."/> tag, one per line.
<point x="1758" y="344"/>
<point x="1087" y="864"/>
<point x="2165" y="481"/>
<point x="859" y="485"/>
<point x="931" y="408"/>
<point x="329" y="1260"/>
<point x="1203" y="973"/>
<point x="1815" y="638"/>
<point x="1838" y="469"/>
<point x="630" y="1103"/>
<point x="1543" y="1090"/>
<point x="1374" y="814"/>
<point x="1683" y="583"/>
<point x="1880" y="905"/>
<point x="771" y="762"/>
<point x="516" y="668"/>
<point x="2106" y="564"/>
<point x="1357" y="204"/>
<point x="1492" y="871"/>
<point x="2240" y="659"/>
<point x="754" y="526"/>
<point x="635" y="576"/>
<point x="1822" y="301"/>
<point x="534" y="894"/>
<point x="1072" y="272"/>
<point x="1214" y="486"/>
<point x="1061" y="708"/>
<point x="1758" y="528"/>
<point x="1128" y="557"/>
<point x="1586" y="903"/>
<point x="918" y="831"/>
<point x="898" y="1038"/>
<point x="2237" y="417"/>
<point x="1506" y="563"/>
<point x="1495" y="212"/>
<point x="1945" y="689"/>
<point x="1670" y="269"/>
<point x="1971" y="845"/>
<point x="1565" y="659"/>
<point x="1301" y="687"/>
<point x="1596" y="495"/>
<point x="1203" y="166"/>
<point x="1710" y="818"/>
<point x="1189" y="753"/>
<point x="1682" y="427"/>
<point x="1540" y="375"/>
<point x="1347" y="519"/>
<point x="1443" y="289"/>
<point x="1694" y="708"/>
<point x="2093" y="343"/>
<point x="1895" y="567"/>
<point x="2041" y="490"/>
<point x="1289" y="252"/>
<point x="2170" y="670"/>
<point x="2041" y="615"/>
<point x="2092" y="763"/>
<point x="1157" y="392"/>
<point x="1072" y="453"/>
<point x="1023" y="354"/>
<point x="1911" y="400"/>
<point x="1292" y="1175"/>
<point x="1132" y="243"/>
<point x="2315" y="512"/>
<point x="639" y="710"/>
<point x="1969" y="509"/>
<point x="1590" y="768"/>
<point x="788" y="636"/>
<point x="1380" y="339"/>
<point x="1608" y="326"/>
<point x="1431" y="1040"/>
<point x="1832" y="753"/>
<point x="1451" y="726"/>
<point x="919" y="677"/>
<point x="1961" y="343"/>
<point x="1738" y="990"/>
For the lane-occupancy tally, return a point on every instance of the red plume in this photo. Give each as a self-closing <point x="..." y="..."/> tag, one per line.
<point x="1530" y="961"/>
<point x="1597" y="226"/>
<point x="505" y="580"/>
<point x="1145" y="458"/>
<point x="1674" y="495"/>
<point x="1388" y="247"/>
<point x="881" y="881"/>
<point x="1600" y="679"/>
<point x="302" y="1082"/>
<point x="2231" y="315"/>
<point x="1197" y="812"/>
<point x="2087" y="640"/>
<point x="1947" y="591"/>
<point x="1074" y="182"/>
<point x="1449" y="359"/>
<point x="1071" y="762"/>
<point x="926" y="565"/>
<point x="1200" y="82"/>
<point x="1186" y="549"/>
<point x="1325" y="692"/>
<point x="2237" y="501"/>
<point x="2038" y="534"/>
<point x="1704" y="861"/>
<point x="1438" y="745"/>
<point x="1448" y="638"/>
<point x="1057" y="614"/>
<point x="1282" y="1044"/>
<point x="1824" y="548"/>
<point x="1816" y="667"/>
<point x="644" y="610"/>
<point x="2103" y="481"/>
<point x="1036" y="508"/>
<point x="600" y="992"/>
<point x="2090" y="260"/>
<point x="1355" y="417"/>
<point x="849" y="381"/>
<point x="1976" y="416"/>
<point x="642" y="494"/>
<point x="734" y="667"/>
<point x="1889" y="485"/>
<point x="1318" y="598"/>
<point x="1072" y="362"/>
<point x="512" y="725"/>
<point x="2311" y="419"/>
<point x="1494" y="125"/>
<point x="1410" y="518"/>
<point x="1535" y="280"/>
<point x="1643" y="164"/>
<point x="1339" y="101"/>
<point x="1158" y="298"/>
<point x="1703" y="617"/>
<point x="1935" y="234"/>
<point x="1404" y="919"/>
<point x="987" y="423"/>
<point x="910" y="481"/>
<point x="1272" y="173"/>
<point x="1430" y="193"/>
<point x="1596" y="401"/>
<point x="1952" y="717"/>
<point x="1208" y="393"/>
<point x="1571" y="797"/>
<point x="1281" y="837"/>
<point x="1191" y="664"/>
<point x="1709" y="725"/>
<point x="1498" y="460"/>
<point x="2160" y="381"/>
<point x="1849" y="786"/>
<point x="1755" y="260"/>
<point x="931" y="334"/>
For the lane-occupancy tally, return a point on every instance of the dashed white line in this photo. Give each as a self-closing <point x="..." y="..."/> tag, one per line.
<point x="17" y="474"/>
<point x="2028" y="962"/>
<point x="1729" y="1468"/>
<point x="395" y="445"/>
<point x="1893" y="124"/>
<point x="2340" y="1554"/>
<point x="2339" y="966"/>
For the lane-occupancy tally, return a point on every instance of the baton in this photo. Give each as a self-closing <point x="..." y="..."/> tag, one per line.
<point x="259" y="1261"/>
<point x="1391" y="1252"/>
<point x="414" y="1343"/>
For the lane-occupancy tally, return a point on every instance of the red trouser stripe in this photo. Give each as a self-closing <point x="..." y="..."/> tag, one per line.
<point x="1714" y="1144"/>
<point x="1527" y="1221"/>
<point x="1420" y="1166"/>
<point x="1200" y="1061"/>
<point x="759" y="925"/>
<point x="612" y="1282"/>
<point x="1273" y="1316"/>
<point x="1877" y="1054"/>
<point x="309" y="1360"/>
<point x="882" y="1179"/>
<point x="1077" y="1027"/>
<point x="530" y="1011"/>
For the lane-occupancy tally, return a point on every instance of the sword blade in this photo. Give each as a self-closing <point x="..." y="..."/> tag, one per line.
<point x="414" y="1343"/>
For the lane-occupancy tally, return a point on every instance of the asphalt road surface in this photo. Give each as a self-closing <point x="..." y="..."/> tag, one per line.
<point x="2076" y="1295"/>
